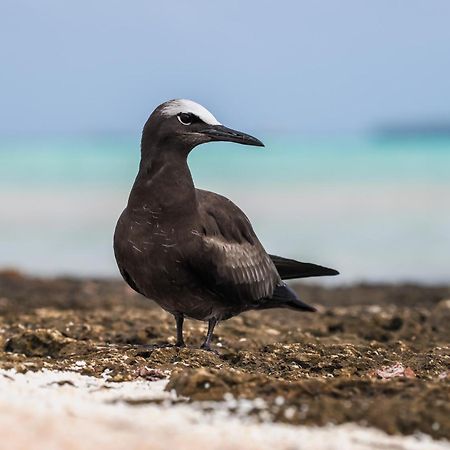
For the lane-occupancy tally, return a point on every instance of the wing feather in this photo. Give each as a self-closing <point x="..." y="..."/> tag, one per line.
<point x="241" y="266"/>
<point x="231" y="256"/>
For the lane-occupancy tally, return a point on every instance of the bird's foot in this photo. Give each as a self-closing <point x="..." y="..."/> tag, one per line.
<point x="180" y="344"/>
<point x="207" y="348"/>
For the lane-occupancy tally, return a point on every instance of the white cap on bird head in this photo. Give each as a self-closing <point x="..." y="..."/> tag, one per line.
<point x="179" y="106"/>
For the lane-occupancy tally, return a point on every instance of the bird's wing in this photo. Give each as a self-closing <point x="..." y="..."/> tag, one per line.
<point x="232" y="261"/>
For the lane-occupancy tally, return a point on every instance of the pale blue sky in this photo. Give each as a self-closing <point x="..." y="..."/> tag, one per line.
<point x="318" y="66"/>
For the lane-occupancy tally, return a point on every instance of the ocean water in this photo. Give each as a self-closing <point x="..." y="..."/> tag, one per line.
<point x="375" y="209"/>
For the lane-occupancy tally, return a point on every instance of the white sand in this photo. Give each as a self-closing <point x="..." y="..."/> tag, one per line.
<point x="40" y="411"/>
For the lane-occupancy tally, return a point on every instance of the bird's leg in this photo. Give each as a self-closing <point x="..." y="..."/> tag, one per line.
<point x="207" y="343"/>
<point x="180" y="341"/>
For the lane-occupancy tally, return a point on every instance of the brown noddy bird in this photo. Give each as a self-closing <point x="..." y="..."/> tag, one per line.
<point x="192" y="251"/>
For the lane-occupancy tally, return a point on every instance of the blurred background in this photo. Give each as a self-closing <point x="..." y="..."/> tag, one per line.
<point x="351" y="98"/>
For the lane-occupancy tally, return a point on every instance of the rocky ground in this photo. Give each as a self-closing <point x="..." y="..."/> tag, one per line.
<point x="377" y="355"/>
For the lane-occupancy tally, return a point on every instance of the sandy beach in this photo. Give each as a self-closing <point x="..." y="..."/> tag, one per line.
<point x="72" y="411"/>
<point x="84" y="361"/>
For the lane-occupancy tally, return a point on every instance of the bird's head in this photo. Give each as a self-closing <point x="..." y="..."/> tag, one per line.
<point x="184" y="124"/>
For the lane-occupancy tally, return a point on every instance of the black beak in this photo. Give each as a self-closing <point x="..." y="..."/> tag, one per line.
<point x="221" y="133"/>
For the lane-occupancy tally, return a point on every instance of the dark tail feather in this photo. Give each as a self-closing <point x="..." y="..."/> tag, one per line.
<point x="284" y="296"/>
<point x="289" y="268"/>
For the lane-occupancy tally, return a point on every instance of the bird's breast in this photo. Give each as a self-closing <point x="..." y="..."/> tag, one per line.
<point x="152" y="251"/>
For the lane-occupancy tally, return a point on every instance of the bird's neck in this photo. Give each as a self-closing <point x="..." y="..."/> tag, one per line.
<point x="164" y="184"/>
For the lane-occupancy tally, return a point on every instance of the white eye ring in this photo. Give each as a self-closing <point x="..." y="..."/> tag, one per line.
<point x="181" y="121"/>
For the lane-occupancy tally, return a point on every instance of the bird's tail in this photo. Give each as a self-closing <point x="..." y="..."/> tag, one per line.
<point x="290" y="268"/>
<point x="285" y="297"/>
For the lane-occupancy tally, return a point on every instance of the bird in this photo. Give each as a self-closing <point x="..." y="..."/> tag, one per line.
<point x="192" y="251"/>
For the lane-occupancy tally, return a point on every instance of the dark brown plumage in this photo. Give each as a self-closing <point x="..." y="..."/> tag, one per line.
<point x="192" y="251"/>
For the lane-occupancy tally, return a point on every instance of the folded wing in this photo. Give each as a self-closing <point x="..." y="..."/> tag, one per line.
<point x="233" y="262"/>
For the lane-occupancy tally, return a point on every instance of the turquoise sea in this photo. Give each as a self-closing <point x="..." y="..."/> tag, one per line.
<point x="377" y="209"/>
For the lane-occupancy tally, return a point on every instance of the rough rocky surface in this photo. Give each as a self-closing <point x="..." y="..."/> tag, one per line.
<point x="372" y="355"/>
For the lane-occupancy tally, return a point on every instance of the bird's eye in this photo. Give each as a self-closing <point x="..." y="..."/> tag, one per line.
<point x="185" y="118"/>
